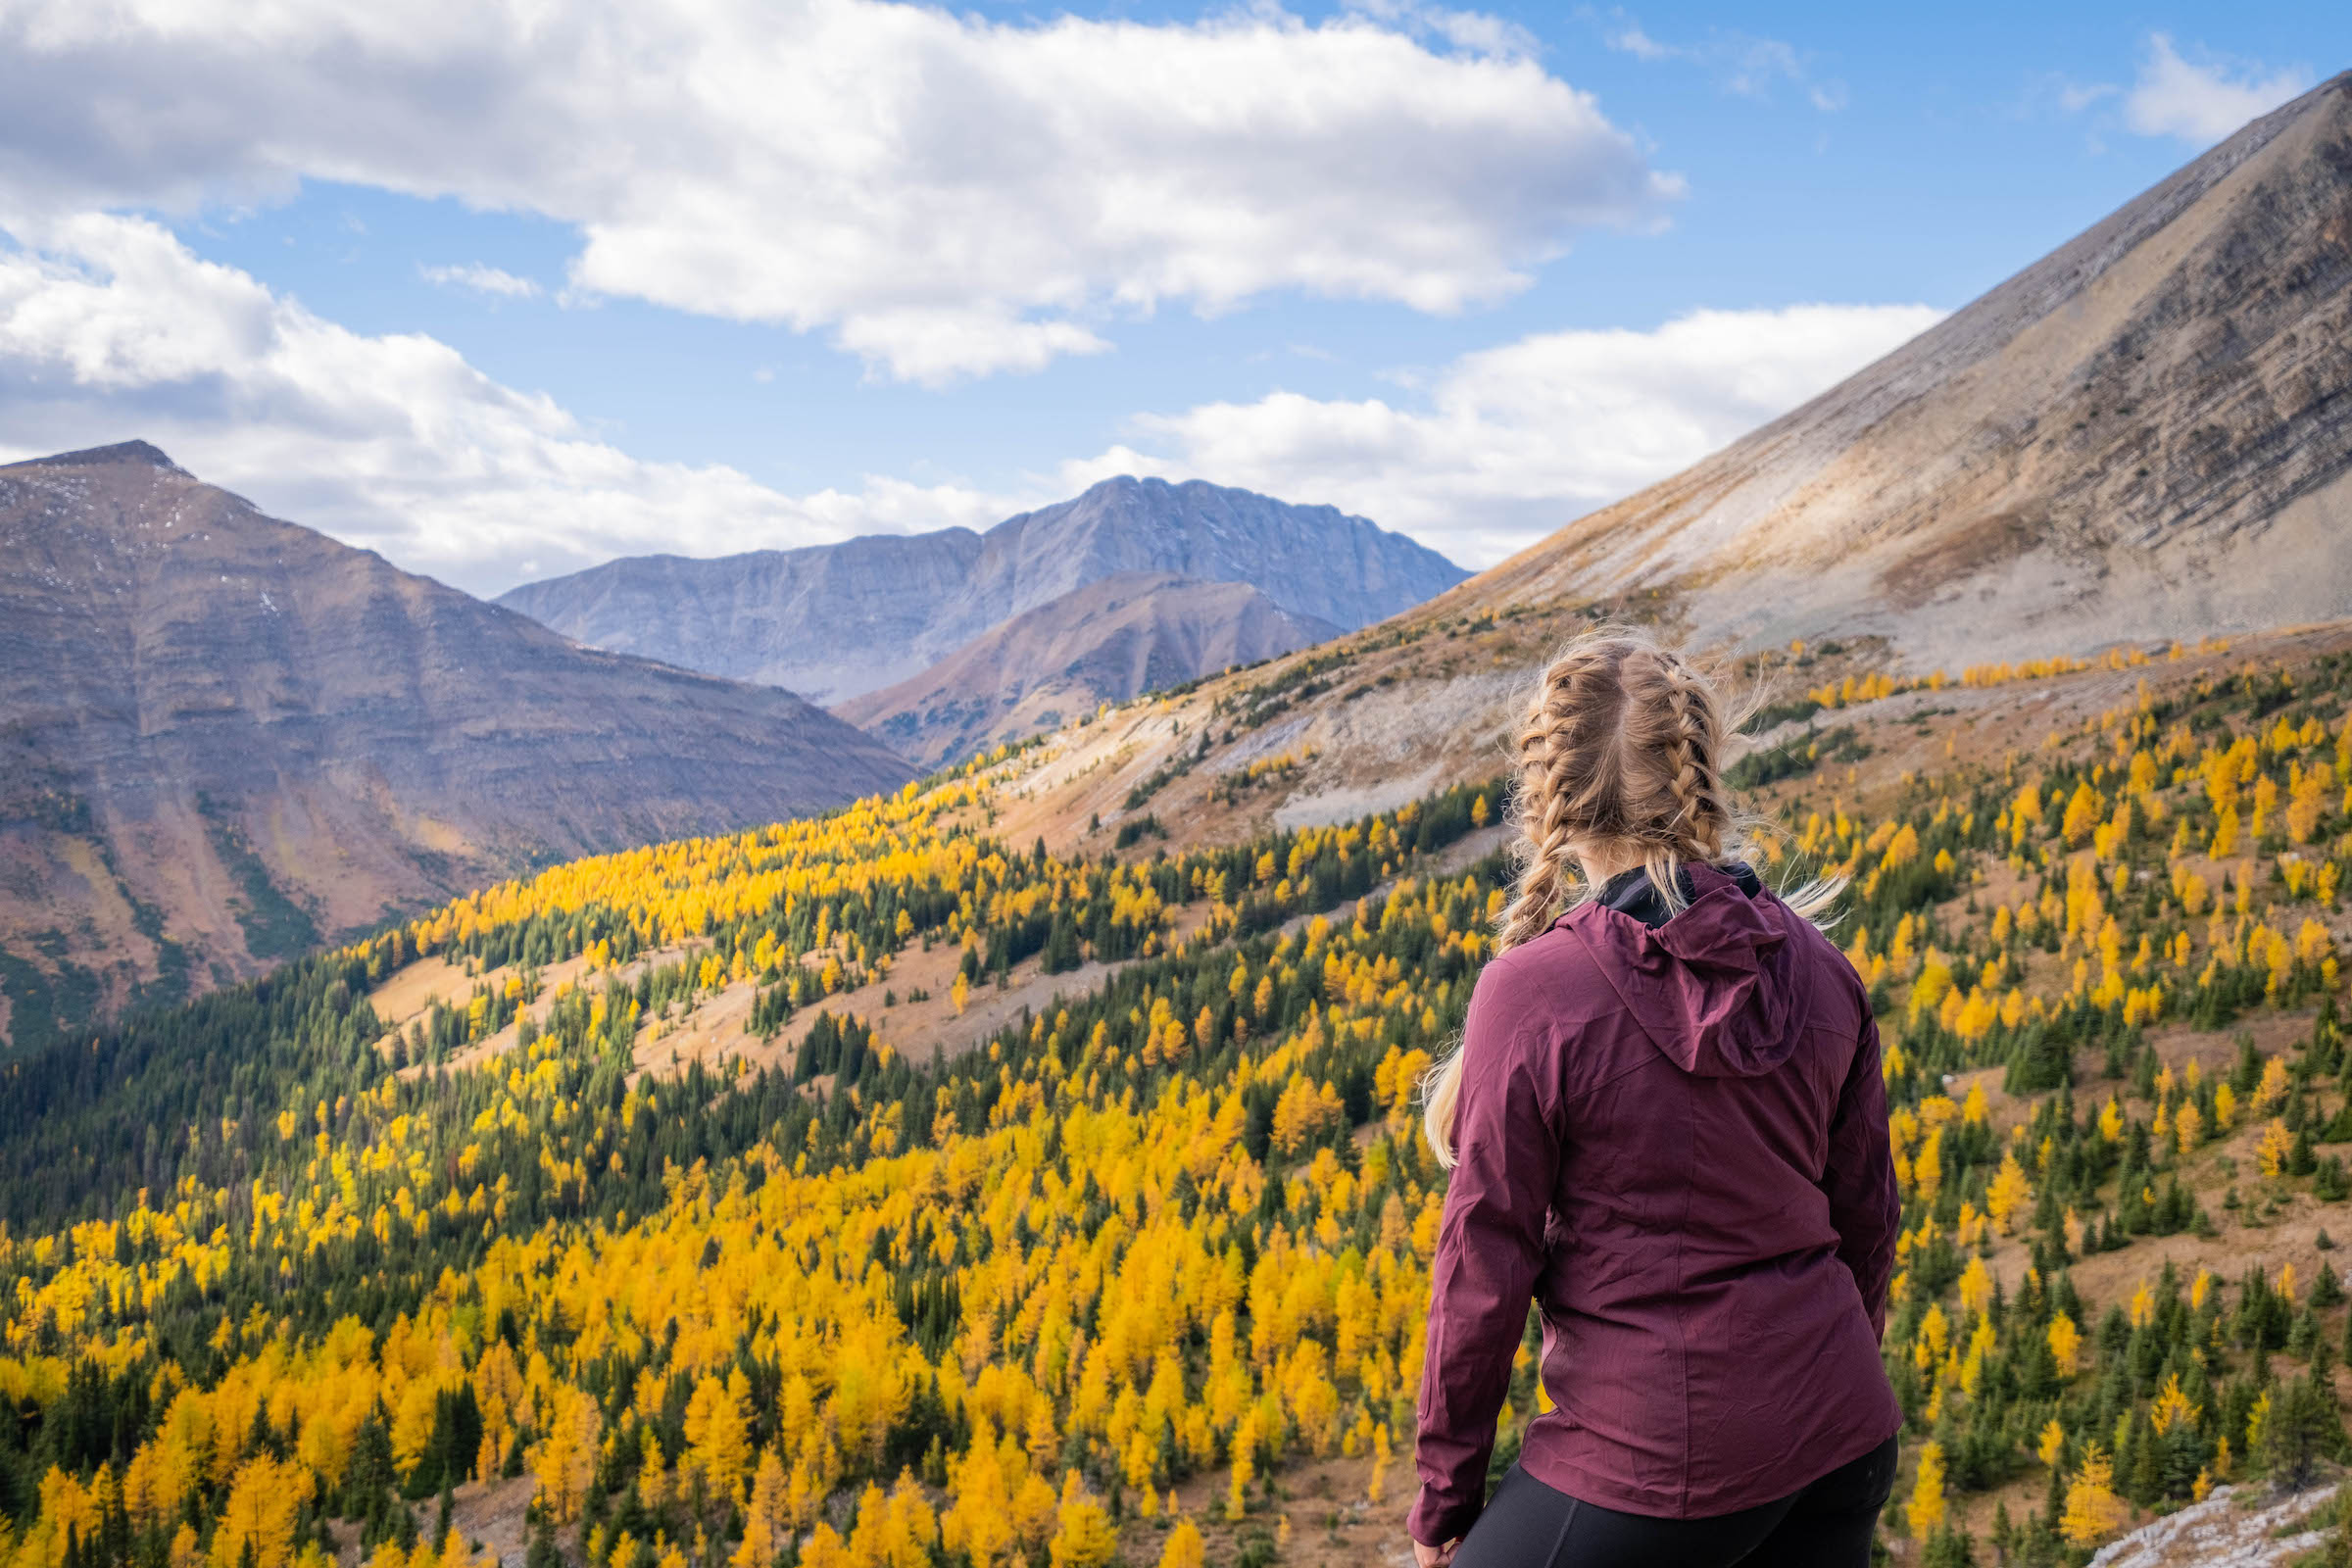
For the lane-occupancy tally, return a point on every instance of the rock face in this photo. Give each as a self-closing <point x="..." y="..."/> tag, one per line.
<point x="1112" y="639"/>
<point x="223" y="736"/>
<point x="2235" y="1527"/>
<point x="2147" y="431"/>
<point x="835" y="621"/>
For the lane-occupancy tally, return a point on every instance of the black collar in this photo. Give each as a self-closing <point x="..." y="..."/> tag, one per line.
<point x="1631" y="891"/>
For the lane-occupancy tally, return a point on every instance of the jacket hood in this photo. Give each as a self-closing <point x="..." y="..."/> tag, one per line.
<point x="1717" y="987"/>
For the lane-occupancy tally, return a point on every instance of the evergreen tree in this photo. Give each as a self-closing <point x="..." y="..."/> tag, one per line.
<point x="1950" y="1546"/>
<point x="2302" y="1429"/>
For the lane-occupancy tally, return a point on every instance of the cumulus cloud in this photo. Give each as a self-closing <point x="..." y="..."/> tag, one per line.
<point x="2202" y="103"/>
<point x="944" y="195"/>
<point x="1512" y="442"/>
<point x="476" y="277"/>
<point x="111" y="329"/>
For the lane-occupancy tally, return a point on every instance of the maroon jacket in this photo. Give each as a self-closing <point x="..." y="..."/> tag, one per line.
<point x="1674" y="1139"/>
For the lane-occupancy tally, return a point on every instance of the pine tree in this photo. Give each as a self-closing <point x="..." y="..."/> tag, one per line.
<point x="2302" y="1428"/>
<point x="1950" y="1546"/>
<point x="2327" y="1289"/>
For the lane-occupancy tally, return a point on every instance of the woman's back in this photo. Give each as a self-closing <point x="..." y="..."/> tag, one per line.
<point x="1707" y="1338"/>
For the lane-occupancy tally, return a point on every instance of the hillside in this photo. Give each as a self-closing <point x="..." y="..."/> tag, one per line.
<point x="225" y="738"/>
<point x="1154" y="1221"/>
<point x="1109" y="640"/>
<point x="2148" y="430"/>
<point x="836" y="621"/>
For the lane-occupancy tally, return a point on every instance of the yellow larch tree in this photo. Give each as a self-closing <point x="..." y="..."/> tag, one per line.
<point x="2093" y="1511"/>
<point x="718" y="1435"/>
<point x="563" y="1460"/>
<point x="1926" y="1509"/>
<point x="263" y="1503"/>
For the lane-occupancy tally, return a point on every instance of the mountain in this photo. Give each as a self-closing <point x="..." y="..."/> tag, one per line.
<point x="225" y="737"/>
<point x="2146" y="431"/>
<point x="2144" y="436"/>
<point x="835" y="621"/>
<point x="1114" y="638"/>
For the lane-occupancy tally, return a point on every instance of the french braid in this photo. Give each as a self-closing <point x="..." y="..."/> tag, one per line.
<point x="1547" y="801"/>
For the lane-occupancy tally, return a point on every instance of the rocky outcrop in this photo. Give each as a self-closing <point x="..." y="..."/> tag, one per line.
<point x="835" y="621"/>
<point x="223" y="736"/>
<point x="2235" y="1527"/>
<point x="2148" y="431"/>
<point x="1114" y="638"/>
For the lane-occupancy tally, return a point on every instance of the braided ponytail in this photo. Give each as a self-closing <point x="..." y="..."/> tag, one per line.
<point x="1692" y="742"/>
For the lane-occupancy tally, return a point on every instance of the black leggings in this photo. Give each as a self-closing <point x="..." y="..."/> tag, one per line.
<point x="1826" y="1525"/>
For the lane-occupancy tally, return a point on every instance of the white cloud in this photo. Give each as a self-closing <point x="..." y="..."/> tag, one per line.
<point x="2074" y="96"/>
<point x="1470" y="31"/>
<point x="1742" y="63"/>
<point x="1514" y="441"/>
<point x="942" y="194"/>
<point x="110" y="328"/>
<point x="1627" y="38"/>
<point x="2202" y="103"/>
<point x="480" y="278"/>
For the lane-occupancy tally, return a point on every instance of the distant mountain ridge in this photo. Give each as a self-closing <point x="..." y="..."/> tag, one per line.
<point x="1107" y="640"/>
<point x="225" y="737"/>
<point x="835" y="621"/>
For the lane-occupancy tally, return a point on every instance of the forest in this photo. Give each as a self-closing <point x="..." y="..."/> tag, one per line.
<point x="287" y="1279"/>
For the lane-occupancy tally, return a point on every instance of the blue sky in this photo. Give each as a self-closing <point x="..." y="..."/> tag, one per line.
<point x="502" y="297"/>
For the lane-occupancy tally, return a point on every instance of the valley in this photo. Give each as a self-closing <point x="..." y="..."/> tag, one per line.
<point x="1177" y="1213"/>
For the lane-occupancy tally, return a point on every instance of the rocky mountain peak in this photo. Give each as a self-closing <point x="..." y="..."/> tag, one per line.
<point x="226" y="737"/>
<point x="130" y="453"/>
<point x="836" y="621"/>
<point x="2150" y="428"/>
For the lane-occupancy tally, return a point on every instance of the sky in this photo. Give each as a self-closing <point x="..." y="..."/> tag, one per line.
<point x="504" y="288"/>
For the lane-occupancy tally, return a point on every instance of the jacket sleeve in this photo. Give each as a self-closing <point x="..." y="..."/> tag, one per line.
<point x="1507" y="1140"/>
<point x="1863" y="1205"/>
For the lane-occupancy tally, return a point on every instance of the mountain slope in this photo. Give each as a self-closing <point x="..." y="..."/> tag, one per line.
<point x="2146" y="435"/>
<point x="1110" y="640"/>
<point x="224" y="736"/>
<point x="2149" y="428"/>
<point x="834" y="621"/>
<point x="2165" y="1145"/>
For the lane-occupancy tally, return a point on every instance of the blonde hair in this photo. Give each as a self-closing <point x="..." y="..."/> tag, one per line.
<point x="1621" y="755"/>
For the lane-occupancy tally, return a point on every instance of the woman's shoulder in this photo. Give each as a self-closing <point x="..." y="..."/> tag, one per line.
<point x="1552" y="978"/>
<point x="1543" y="959"/>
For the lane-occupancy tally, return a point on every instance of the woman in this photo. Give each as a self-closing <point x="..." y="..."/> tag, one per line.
<point x="1666" y="1123"/>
